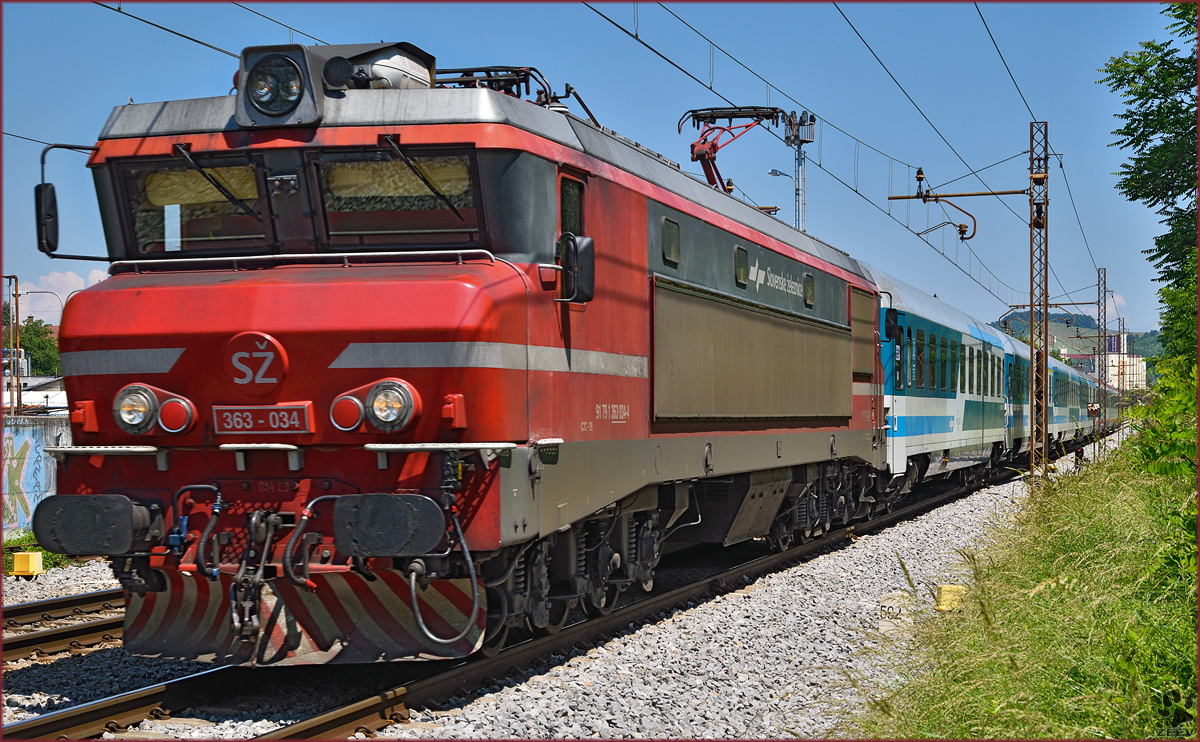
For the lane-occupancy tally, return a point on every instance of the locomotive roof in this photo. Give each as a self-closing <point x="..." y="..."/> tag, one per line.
<point x="908" y="298"/>
<point x="475" y="105"/>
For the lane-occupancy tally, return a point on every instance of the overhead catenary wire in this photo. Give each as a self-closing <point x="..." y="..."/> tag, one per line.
<point x="776" y="88"/>
<point x="943" y="138"/>
<point x="1006" y="68"/>
<point x="168" y="30"/>
<point x="1066" y="182"/>
<point x="281" y="23"/>
<point x="980" y="170"/>
<point x="927" y="119"/>
<point x="1006" y="299"/>
<point x="39" y="141"/>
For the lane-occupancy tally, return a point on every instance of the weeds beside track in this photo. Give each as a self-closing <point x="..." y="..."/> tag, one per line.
<point x="1080" y="621"/>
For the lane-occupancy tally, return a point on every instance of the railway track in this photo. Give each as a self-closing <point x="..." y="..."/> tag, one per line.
<point x="390" y="704"/>
<point x="98" y="623"/>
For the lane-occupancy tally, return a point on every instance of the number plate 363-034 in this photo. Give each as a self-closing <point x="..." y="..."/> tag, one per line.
<point x="281" y="418"/>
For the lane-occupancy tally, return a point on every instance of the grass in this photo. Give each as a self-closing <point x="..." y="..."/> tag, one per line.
<point x="1079" y="621"/>
<point x="49" y="558"/>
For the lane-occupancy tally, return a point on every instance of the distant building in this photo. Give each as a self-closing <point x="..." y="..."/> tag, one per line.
<point x="1132" y="368"/>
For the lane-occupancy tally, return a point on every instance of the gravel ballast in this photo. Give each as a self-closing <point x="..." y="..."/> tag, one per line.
<point x="60" y="582"/>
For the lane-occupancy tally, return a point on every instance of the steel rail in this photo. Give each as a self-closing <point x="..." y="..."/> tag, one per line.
<point x="116" y="712"/>
<point x="62" y="638"/>
<point x="391" y="706"/>
<point x="50" y="609"/>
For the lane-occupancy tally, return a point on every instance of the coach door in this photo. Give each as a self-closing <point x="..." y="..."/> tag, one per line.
<point x="1009" y="429"/>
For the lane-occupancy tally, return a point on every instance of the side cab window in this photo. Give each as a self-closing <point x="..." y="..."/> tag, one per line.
<point x="570" y="208"/>
<point x="575" y="251"/>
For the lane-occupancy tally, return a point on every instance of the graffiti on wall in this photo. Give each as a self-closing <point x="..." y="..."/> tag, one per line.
<point x="24" y="475"/>
<point x="28" y="471"/>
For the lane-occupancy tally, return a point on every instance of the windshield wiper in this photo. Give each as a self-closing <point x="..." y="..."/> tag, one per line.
<point x="396" y="148"/>
<point x="213" y="181"/>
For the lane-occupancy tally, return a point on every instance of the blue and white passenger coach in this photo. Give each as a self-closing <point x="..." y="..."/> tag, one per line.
<point x="956" y="392"/>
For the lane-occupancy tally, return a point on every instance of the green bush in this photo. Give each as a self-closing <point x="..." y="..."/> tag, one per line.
<point x="1166" y="422"/>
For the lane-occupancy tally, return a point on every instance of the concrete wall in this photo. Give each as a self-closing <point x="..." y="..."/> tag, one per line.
<point x="29" y="472"/>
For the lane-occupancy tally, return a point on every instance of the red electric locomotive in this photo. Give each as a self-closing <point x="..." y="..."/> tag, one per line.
<point x="392" y="359"/>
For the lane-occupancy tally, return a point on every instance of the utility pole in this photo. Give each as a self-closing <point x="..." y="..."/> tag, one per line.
<point x="1102" y="354"/>
<point x="1039" y="296"/>
<point x="14" y="357"/>
<point x="1121" y="359"/>
<point x="797" y="133"/>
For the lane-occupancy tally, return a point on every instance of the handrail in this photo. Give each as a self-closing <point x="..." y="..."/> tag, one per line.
<point x="344" y="257"/>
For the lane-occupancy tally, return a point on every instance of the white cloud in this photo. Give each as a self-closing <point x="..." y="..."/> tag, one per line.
<point x="60" y="283"/>
<point x="1115" y="302"/>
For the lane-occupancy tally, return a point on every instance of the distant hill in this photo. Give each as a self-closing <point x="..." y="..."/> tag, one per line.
<point x="1140" y="343"/>
<point x="1144" y="343"/>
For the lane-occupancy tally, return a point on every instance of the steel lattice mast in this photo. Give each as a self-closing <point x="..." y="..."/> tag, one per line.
<point x="1039" y="299"/>
<point x="1102" y="347"/>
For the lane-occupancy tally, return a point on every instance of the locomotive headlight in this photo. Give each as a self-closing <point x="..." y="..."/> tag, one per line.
<point x="275" y="85"/>
<point x="135" y="408"/>
<point x="390" y="406"/>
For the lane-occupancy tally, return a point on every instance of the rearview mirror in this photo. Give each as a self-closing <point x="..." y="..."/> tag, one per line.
<point x="578" y="269"/>
<point x="891" y="324"/>
<point x="47" y="217"/>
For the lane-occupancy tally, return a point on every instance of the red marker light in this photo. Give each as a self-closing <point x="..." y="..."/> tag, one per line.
<point x="346" y="413"/>
<point x="175" y="416"/>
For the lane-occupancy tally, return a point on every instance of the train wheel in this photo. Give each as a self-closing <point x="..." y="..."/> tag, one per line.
<point x="780" y="538"/>
<point x="559" y="609"/>
<point x="494" y="642"/>
<point x="601" y="604"/>
<point x="881" y="508"/>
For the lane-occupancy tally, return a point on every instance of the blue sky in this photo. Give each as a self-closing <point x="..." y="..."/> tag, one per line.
<point x="67" y="65"/>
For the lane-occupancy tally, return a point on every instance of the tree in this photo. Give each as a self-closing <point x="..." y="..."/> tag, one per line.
<point x="38" y="341"/>
<point x="1158" y="85"/>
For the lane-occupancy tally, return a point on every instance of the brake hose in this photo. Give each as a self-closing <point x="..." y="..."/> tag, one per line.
<point x="177" y="536"/>
<point x="417" y="566"/>
<point x="288" y="571"/>
<point x="201" y="555"/>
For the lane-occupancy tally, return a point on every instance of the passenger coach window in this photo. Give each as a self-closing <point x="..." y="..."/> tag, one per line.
<point x="920" y="359"/>
<point x="898" y="376"/>
<point x="962" y="368"/>
<point x="670" y="242"/>
<point x="943" y="358"/>
<point x="373" y="199"/>
<point x="910" y="358"/>
<point x="810" y="290"/>
<point x="971" y="371"/>
<point x="953" y="365"/>
<point x="932" y="361"/>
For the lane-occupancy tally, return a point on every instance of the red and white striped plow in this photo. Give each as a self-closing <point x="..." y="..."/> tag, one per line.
<point x="346" y="619"/>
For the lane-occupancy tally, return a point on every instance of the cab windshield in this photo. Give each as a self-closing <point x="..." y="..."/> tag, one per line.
<point x="375" y="199"/>
<point x="173" y="208"/>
